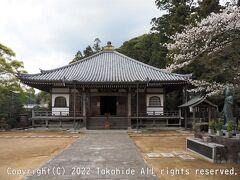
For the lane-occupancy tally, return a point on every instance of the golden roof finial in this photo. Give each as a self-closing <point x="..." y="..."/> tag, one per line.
<point x="109" y="46"/>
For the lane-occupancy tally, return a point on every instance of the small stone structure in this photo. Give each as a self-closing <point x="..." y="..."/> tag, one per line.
<point x="208" y="151"/>
<point x="231" y="151"/>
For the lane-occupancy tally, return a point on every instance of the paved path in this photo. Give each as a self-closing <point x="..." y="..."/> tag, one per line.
<point x="102" y="155"/>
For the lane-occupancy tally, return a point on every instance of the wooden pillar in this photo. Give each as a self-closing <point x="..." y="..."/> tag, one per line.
<point x="164" y="99"/>
<point x="137" y="104"/>
<point x="46" y="123"/>
<point x="33" y="124"/>
<point x="185" y="99"/>
<point x="33" y="113"/>
<point x="129" y="109"/>
<point x="194" y="119"/>
<point x="84" y="113"/>
<point x="209" y="114"/>
<point x="180" y="116"/>
<point x="74" y="106"/>
<point x="60" y="123"/>
<point x="185" y="118"/>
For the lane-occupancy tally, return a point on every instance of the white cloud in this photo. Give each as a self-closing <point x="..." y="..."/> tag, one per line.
<point x="47" y="33"/>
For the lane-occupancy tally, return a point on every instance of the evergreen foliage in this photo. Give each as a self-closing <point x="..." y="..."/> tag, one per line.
<point x="88" y="51"/>
<point x="12" y="93"/>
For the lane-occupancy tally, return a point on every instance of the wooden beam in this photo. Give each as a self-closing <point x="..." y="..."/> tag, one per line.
<point x="108" y="94"/>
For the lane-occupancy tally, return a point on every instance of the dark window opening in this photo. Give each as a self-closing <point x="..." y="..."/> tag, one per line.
<point x="108" y="105"/>
<point x="154" y="101"/>
<point x="60" y="101"/>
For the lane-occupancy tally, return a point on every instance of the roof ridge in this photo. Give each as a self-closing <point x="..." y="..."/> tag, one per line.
<point x="149" y="66"/>
<point x="65" y="66"/>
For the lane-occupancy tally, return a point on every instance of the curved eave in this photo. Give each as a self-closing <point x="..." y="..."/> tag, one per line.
<point x="47" y="85"/>
<point x="199" y="101"/>
<point x="26" y="78"/>
<point x="52" y="82"/>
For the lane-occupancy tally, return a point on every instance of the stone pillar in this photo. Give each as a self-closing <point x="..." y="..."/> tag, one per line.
<point x="129" y="109"/>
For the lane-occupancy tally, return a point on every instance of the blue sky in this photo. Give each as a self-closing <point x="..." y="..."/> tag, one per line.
<point x="47" y="33"/>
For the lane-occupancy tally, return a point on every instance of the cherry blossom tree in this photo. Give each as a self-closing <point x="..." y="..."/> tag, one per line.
<point x="208" y="88"/>
<point x="210" y="35"/>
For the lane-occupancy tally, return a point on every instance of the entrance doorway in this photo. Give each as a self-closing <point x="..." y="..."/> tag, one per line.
<point x="108" y="104"/>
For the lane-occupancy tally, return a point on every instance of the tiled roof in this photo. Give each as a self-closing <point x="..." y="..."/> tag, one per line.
<point x="197" y="100"/>
<point x="105" y="66"/>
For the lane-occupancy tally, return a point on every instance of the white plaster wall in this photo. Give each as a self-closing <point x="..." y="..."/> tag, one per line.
<point x="159" y="110"/>
<point x="56" y="110"/>
<point x="63" y="95"/>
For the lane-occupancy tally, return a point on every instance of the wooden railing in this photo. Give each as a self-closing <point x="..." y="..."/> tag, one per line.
<point x="78" y="113"/>
<point x="56" y="114"/>
<point x="157" y="114"/>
